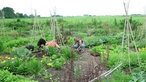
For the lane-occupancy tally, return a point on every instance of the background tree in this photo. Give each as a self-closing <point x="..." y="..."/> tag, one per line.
<point x="9" y="12"/>
<point x="19" y="15"/>
<point x="25" y="16"/>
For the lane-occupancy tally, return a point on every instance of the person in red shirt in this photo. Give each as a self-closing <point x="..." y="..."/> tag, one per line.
<point x="52" y="43"/>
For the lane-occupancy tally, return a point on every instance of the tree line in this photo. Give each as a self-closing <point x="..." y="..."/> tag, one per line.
<point x="8" y="12"/>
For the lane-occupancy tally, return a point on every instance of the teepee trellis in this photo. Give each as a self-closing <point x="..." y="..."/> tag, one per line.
<point x="36" y="27"/>
<point x="54" y="27"/>
<point x="129" y="33"/>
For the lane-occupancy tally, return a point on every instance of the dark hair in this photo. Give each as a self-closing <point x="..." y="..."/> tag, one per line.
<point x="41" y="42"/>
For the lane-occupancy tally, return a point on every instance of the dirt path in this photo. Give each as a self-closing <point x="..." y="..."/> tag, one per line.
<point x="86" y="67"/>
<point x="85" y="59"/>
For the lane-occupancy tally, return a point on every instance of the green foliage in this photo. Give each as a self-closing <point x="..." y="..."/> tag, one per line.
<point x="117" y="54"/>
<point x="91" y="41"/>
<point x="138" y="77"/>
<point x="115" y="22"/>
<point x="16" y="43"/>
<point x="1" y="46"/>
<point x="141" y="43"/>
<point x="66" y="51"/>
<point x="134" y="23"/>
<point x="102" y="31"/>
<point x="33" y="66"/>
<point x="118" y="76"/>
<point x="18" y="24"/>
<point x="9" y="12"/>
<point x="143" y="60"/>
<point x="70" y="41"/>
<point x="30" y="66"/>
<point x="51" y="50"/>
<point x="12" y="64"/>
<point x="57" y="64"/>
<point x="100" y="48"/>
<point x="21" y="52"/>
<point x="6" y="76"/>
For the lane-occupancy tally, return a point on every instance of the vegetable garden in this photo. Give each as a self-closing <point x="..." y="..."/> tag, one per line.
<point x="102" y="35"/>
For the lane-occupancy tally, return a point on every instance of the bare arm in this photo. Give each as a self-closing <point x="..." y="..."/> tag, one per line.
<point x="57" y="45"/>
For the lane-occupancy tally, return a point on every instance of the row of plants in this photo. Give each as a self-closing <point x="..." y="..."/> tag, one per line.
<point x="6" y="76"/>
<point x="57" y="58"/>
<point x="23" y="62"/>
<point x="120" y="55"/>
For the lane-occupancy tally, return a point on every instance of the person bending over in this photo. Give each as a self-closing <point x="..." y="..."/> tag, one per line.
<point x="78" y="44"/>
<point x="52" y="43"/>
<point x="41" y="43"/>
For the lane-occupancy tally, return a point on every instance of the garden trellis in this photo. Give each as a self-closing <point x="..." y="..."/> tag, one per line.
<point x="128" y="32"/>
<point x="54" y="29"/>
<point x="36" y="27"/>
<point x="130" y="38"/>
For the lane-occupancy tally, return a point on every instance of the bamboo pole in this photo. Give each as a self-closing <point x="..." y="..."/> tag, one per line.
<point x="3" y="22"/>
<point x="128" y="33"/>
<point x="106" y="73"/>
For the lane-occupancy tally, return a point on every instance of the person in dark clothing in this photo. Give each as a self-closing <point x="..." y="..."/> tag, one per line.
<point x="41" y="43"/>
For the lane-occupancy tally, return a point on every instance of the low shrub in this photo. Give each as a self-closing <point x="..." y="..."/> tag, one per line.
<point x="6" y="76"/>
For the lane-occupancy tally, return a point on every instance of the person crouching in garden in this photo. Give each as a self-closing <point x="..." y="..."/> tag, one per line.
<point x="52" y="43"/>
<point x="79" y="44"/>
<point x="41" y="43"/>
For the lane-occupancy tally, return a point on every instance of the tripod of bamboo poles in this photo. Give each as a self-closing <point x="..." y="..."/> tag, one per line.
<point x="55" y="31"/>
<point x="36" y="27"/>
<point x="128" y="32"/>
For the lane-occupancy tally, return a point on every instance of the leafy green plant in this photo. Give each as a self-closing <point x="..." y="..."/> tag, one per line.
<point x="21" y="52"/>
<point x="12" y="64"/>
<point x="138" y="77"/>
<point x="6" y="76"/>
<point x="57" y="64"/>
<point x="1" y="46"/>
<point x="70" y="41"/>
<point x="16" y="43"/>
<point x="52" y="50"/>
<point x="118" y="76"/>
<point x="66" y="53"/>
<point x="24" y="67"/>
<point x="31" y="66"/>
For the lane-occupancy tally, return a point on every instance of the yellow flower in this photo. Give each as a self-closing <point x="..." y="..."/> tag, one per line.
<point x="3" y="61"/>
<point x="105" y="53"/>
<point x="43" y="56"/>
<point x="12" y="58"/>
<point x="143" y="49"/>
<point x="100" y="52"/>
<point x="139" y="49"/>
<point x="8" y="58"/>
<point x="50" y="59"/>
